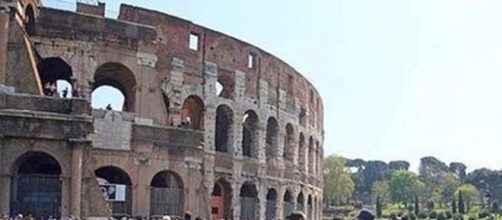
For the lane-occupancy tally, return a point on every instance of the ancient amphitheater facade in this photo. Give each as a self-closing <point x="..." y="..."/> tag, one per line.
<point x="210" y="124"/>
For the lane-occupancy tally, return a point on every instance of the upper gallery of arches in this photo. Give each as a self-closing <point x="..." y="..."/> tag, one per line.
<point x="177" y="35"/>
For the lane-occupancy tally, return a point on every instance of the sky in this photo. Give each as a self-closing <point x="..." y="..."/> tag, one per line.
<point x="400" y="79"/>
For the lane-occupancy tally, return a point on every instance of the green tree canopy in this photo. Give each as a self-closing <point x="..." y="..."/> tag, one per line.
<point x="338" y="185"/>
<point x="404" y="186"/>
<point x="381" y="189"/>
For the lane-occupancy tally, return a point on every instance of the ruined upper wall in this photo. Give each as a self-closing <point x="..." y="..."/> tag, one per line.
<point x="55" y="23"/>
<point x="230" y="54"/>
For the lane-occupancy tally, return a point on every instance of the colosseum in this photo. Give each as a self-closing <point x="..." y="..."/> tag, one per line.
<point x="209" y="124"/>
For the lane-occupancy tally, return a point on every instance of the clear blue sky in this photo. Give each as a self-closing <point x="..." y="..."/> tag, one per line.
<point x="400" y="79"/>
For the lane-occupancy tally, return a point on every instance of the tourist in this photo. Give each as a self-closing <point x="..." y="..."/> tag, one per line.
<point x="365" y="214"/>
<point x="65" y="92"/>
<point x="187" y="216"/>
<point x="47" y="89"/>
<point x="53" y="89"/>
<point x="297" y="215"/>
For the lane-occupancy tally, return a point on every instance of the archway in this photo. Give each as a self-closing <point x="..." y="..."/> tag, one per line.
<point x="289" y="139"/>
<point x="309" y="207"/>
<point x="56" y="76"/>
<point x="29" y="22"/>
<point x="36" y="186"/>
<point x="221" y="200"/>
<point x="166" y="194"/>
<point x="272" y="138"/>
<point x="310" y="155"/>
<point x="192" y="113"/>
<point x="250" y="134"/>
<point x="271" y="210"/>
<point x="300" y="202"/>
<point x="288" y="206"/>
<point x="249" y="201"/>
<point x="224" y="121"/>
<point x="119" y="77"/>
<point x="116" y="187"/>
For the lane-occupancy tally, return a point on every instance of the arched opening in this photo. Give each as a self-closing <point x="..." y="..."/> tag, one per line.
<point x="192" y="113"/>
<point x="36" y="186"/>
<point x="300" y="202"/>
<point x="120" y="78"/>
<point x="56" y="77"/>
<point x="166" y="194"/>
<point x="115" y="185"/>
<point x="225" y="84"/>
<point x="29" y="22"/>
<point x="309" y="208"/>
<point x="310" y="154"/>
<point x="249" y="201"/>
<point x="301" y="152"/>
<point x="288" y="204"/>
<point x="250" y="134"/>
<point x="272" y="138"/>
<point x="107" y="97"/>
<point x="224" y="121"/>
<point x="316" y="209"/>
<point x="302" y="117"/>
<point x="221" y="199"/>
<point x="289" y="147"/>
<point x="317" y="158"/>
<point x="270" y="213"/>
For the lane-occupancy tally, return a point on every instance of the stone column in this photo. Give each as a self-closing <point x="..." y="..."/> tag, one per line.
<point x="236" y="199"/>
<point x="4" y="36"/>
<point x="76" y="176"/>
<point x="262" y="201"/>
<point x="5" y="179"/>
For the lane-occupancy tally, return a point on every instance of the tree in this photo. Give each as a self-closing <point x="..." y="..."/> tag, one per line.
<point x="461" y="208"/>
<point x="470" y="195"/>
<point x="453" y="205"/>
<point x="378" y="207"/>
<point x="449" y="183"/>
<point x="338" y="185"/>
<point x="381" y="189"/>
<point x="458" y="169"/>
<point x="397" y="165"/>
<point x="404" y="186"/>
<point x="417" y="205"/>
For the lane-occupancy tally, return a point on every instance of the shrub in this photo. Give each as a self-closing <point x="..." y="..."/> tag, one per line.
<point x="412" y="216"/>
<point x="422" y="215"/>
<point x="458" y="216"/>
<point x="358" y="205"/>
<point x="472" y="217"/>
<point x="484" y="213"/>
<point x="441" y="216"/>
<point x="433" y="215"/>
<point x="393" y="216"/>
<point x="448" y="214"/>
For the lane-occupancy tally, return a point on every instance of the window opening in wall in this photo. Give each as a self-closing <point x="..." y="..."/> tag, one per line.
<point x="107" y="98"/>
<point x="224" y="121"/>
<point x="272" y="133"/>
<point x="251" y="61"/>
<point x="302" y="117"/>
<point x="249" y="133"/>
<point x="219" y="88"/>
<point x="194" y="42"/>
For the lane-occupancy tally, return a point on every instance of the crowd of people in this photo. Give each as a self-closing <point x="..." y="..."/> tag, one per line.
<point x="50" y="89"/>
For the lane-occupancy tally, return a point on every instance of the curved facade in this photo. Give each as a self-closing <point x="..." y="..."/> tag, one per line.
<point x="210" y="124"/>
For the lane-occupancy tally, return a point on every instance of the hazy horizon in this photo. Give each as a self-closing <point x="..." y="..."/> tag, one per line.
<point x="400" y="79"/>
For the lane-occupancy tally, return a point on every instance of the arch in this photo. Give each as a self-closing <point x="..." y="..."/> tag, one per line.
<point x="270" y="213"/>
<point x="289" y="139"/>
<point x="110" y="177"/>
<point x="249" y="201"/>
<point x="166" y="194"/>
<point x="52" y="70"/>
<point x="301" y="152"/>
<point x="250" y="134"/>
<point x="272" y="134"/>
<point x="120" y="77"/>
<point x="224" y="122"/>
<point x="192" y="113"/>
<point x="317" y="168"/>
<point x="309" y="207"/>
<point x="288" y="204"/>
<point x="29" y="17"/>
<point x="221" y="199"/>
<point x="300" y="202"/>
<point x="36" y="186"/>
